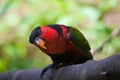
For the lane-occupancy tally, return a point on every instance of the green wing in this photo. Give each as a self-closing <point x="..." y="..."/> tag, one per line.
<point x="78" y="39"/>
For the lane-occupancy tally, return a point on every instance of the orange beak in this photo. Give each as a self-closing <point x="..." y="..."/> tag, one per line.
<point x="41" y="43"/>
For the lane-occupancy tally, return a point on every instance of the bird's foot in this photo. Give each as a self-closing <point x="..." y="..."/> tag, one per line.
<point x="45" y="69"/>
<point x="53" y="67"/>
<point x="57" y="66"/>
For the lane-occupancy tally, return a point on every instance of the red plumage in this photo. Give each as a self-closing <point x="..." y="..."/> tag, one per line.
<point x="57" y="44"/>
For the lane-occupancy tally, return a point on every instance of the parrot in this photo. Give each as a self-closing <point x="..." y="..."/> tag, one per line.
<point x="64" y="44"/>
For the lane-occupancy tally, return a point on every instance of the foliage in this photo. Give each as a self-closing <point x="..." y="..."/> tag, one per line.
<point x="19" y="17"/>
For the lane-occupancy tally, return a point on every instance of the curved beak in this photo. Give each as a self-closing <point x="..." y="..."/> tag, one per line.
<point x="39" y="42"/>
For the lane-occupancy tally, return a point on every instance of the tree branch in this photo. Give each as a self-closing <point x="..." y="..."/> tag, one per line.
<point x="106" y="69"/>
<point x="114" y="34"/>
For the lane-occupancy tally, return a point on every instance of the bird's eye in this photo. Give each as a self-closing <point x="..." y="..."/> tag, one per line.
<point x="39" y="31"/>
<point x="35" y="33"/>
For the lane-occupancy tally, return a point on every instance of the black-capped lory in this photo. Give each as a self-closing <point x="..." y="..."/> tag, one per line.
<point x="64" y="44"/>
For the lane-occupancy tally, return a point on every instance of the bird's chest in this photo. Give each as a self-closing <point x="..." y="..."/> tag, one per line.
<point x="56" y="46"/>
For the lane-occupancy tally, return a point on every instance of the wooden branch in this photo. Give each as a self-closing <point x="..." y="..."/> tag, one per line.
<point x="33" y="74"/>
<point x="106" y="69"/>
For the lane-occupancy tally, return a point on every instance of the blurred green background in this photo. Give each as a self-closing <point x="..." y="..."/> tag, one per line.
<point x="96" y="19"/>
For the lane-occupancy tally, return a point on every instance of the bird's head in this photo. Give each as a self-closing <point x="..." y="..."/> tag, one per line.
<point x="36" y="39"/>
<point x="47" y="38"/>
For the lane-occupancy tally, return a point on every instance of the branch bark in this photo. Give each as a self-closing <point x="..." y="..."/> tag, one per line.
<point x="106" y="69"/>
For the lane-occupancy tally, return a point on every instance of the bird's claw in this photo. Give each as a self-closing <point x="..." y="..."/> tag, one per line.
<point x="53" y="67"/>
<point x="45" y="69"/>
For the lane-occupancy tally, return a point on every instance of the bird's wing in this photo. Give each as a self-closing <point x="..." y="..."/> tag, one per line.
<point x="79" y="41"/>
